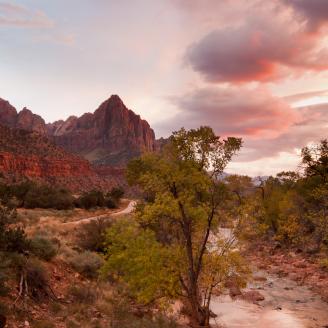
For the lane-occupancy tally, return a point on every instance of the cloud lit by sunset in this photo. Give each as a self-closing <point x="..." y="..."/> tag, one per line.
<point x="254" y="69"/>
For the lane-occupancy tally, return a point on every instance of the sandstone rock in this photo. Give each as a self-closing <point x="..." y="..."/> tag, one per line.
<point x="8" y="114"/>
<point x="253" y="296"/>
<point x="111" y="135"/>
<point x="25" y="154"/>
<point x="28" y="121"/>
<point x="25" y="119"/>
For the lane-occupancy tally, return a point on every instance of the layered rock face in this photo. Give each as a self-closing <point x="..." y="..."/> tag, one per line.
<point x="110" y="136"/>
<point x="25" y="154"/>
<point x="23" y="120"/>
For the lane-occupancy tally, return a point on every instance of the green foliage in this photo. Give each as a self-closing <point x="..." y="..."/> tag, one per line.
<point x="315" y="160"/>
<point x="43" y="247"/>
<point x="183" y="203"/>
<point x="144" y="265"/>
<point x="12" y="239"/>
<point x="116" y="194"/>
<point x="87" y="263"/>
<point x="48" y="197"/>
<point x="294" y="207"/>
<point x="36" y="278"/>
<point x="31" y="195"/>
<point x="94" y="198"/>
<point x="83" y="294"/>
<point x="91" y="236"/>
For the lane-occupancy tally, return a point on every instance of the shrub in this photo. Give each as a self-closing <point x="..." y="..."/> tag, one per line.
<point x="87" y="263"/>
<point x="114" y="196"/>
<point x="94" y="198"/>
<point x="12" y="239"/>
<point x="91" y="236"/>
<point x="84" y="294"/>
<point x="43" y="248"/>
<point x="324" y="264"/>
<point x="110" y="203"/>
<point x="37" y="279"/>
<point x="48" y="197"/>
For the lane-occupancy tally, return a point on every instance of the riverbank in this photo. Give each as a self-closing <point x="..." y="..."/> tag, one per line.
<point x="288" y="290"/>
<point x="299" y="267"/>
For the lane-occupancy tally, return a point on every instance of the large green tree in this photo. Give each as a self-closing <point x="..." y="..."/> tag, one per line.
<point x="183" y="205"/>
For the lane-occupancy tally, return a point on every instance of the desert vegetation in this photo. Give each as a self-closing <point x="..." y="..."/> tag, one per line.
<point x="29" y="194"/>
<point x="162" y="265"/>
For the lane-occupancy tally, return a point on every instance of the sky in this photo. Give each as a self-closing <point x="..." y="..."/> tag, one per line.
<point x="254" y="69"/>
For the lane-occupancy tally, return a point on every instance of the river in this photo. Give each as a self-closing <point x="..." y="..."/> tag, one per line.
<point x="286" y="305"/>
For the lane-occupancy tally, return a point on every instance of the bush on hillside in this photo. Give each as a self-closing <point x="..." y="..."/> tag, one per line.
<point x="91" y="236"/>
<point x="86" y="263"/>
<point x="43" y="248"/>
<point x="91" y="199"/>
<point x="48" y="197"/>
<point x="83" y="294"/>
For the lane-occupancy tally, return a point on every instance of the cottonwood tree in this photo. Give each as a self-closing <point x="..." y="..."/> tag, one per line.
<point x="315" y="160"/>
<point x="183" y="205"/>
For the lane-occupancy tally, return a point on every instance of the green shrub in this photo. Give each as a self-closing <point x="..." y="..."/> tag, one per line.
<point x="87" y="263"/>
<point x="113" y="197"/>
<point x="43" y="248"/>
<point x="94" y="198"/>
<point x="37" y="279"/>
<point x="12" y="239"/>
<point x="84" y="294"/>
<point x="324" y="264"/>
<point x="91" y="236"/>
<point x="48" y="197"/>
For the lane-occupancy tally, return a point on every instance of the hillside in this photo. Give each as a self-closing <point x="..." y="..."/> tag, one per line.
<point x="25" y="154"/>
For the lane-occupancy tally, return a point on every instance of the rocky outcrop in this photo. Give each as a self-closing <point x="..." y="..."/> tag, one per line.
<point x="110" y="136"/>
<point x="8" y="114"/>
<point x="28" y="121"/>
<point x="25" y="154"/>
<point x="25" y="119"/>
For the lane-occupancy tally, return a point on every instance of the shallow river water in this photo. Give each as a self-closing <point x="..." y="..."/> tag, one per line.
<point x="286" y="305"/>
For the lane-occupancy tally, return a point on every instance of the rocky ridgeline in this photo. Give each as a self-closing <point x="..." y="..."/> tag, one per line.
<point x="111" y="135"/>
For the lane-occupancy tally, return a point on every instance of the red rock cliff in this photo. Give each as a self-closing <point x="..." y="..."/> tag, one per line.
<point x="25" y="154"/>
<point x="111" y="135"/>
<point x="23" y="120"/>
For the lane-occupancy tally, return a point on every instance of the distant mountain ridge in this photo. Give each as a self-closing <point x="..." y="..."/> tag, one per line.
<point x="111" y="135"/>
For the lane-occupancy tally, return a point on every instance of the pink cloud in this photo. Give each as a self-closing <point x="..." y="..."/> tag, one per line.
<point x="234" y="111"/>
<point x="314" y="12"/>
<point x="312" y="127"/>
<point x="18" y="16"/>
<point x="266" y="48"/>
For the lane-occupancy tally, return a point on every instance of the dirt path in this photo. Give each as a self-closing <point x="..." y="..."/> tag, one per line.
<point x="126" y="210"/>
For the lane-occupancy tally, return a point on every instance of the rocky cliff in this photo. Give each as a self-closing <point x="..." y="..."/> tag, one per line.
<point x="111" y="135"/>
<point x="25" y="154"/>
<point x="25" y="119"/>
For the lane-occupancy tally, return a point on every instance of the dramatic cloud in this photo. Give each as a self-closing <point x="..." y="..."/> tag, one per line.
<point x="19" y="16"/>
<point x="234" y="111"/>
<point x="315" y="12"/>
<point x="312" y="128"/>
<point x="257" y="51"/>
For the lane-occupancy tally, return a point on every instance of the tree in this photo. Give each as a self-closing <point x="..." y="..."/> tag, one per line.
<point x="183" y="199"/>
<point x="315" y="160"/>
